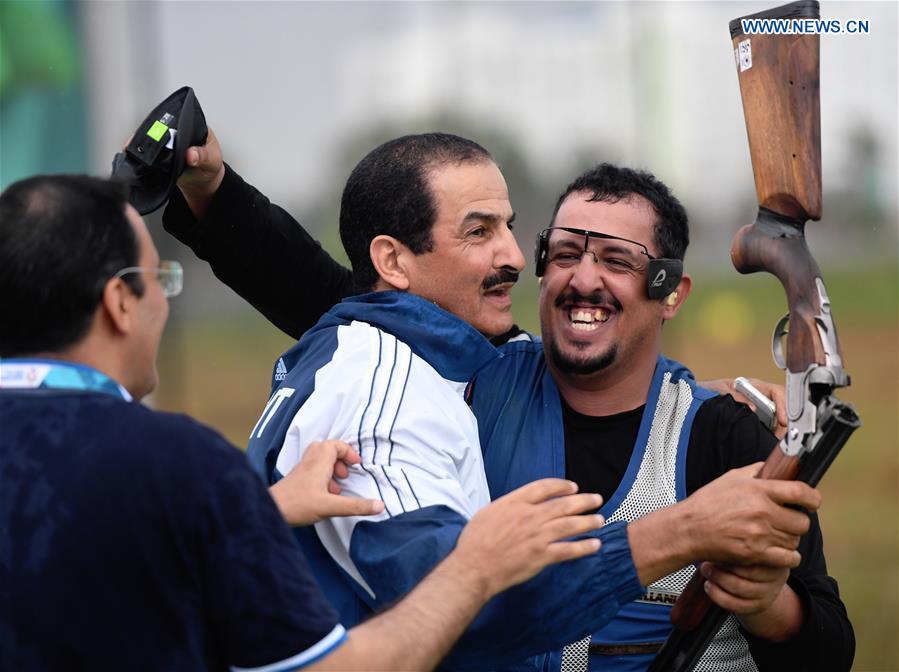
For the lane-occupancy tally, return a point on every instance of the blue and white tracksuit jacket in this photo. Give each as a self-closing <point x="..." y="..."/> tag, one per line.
<point x="386" y="372"/>
<point x="519" y="415"/>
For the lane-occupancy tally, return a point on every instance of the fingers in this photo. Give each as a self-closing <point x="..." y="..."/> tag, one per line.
<point x="776" y="556"/>
<point x="344" y="451"/>
<point x="353" y="506"/>
<point x="793" y="492"/>
<point x="319" y="456"/>
<point x="720" y="385"/>
<point x="331" y="451"/>
<point x="207" y="157"/>
<point x="310" y="491"/>
<point x="750" y="470"/>
<point x="350" y="456"/>
<point x="736" y="586"/>
<point x="568" y="505"/>
<point x="790" y="522"/>
<point x="725" y="600"/>
<point x="572" y="526"/>
<point x="743" y="589"/>
<point x="205" y="173"/>
<point x="754" y="574"/>
<point x="777" y="394"/>
<point x="519" y="534"/>
<point x="203" y="158"/>
<point x="562" y="551"/>
<point x="784" y="539"/>
<point x="341" y="450"/>
<point x="540" y="491"/>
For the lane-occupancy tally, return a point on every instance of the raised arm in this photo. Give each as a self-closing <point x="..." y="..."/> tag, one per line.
<point x="253" y="246"/>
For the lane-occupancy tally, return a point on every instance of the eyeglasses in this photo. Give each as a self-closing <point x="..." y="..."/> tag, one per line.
<point x="170" y="274"/>
<point x="565" y="247"/>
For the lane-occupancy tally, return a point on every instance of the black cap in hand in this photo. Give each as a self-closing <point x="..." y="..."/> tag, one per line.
<point x="155" y="157"/>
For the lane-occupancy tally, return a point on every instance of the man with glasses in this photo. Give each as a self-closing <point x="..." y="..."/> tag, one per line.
<point x="603" y="341"/>
<point x="622" y="420"/>
<point x="133" y="539"/>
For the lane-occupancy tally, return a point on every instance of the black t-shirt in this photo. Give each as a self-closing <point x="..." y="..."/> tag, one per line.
<point x="137" y="540"/>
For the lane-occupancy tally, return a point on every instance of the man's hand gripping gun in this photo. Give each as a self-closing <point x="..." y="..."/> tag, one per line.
<point x="779" y="84"/>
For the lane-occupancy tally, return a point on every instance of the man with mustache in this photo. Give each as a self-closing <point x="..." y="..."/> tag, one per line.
<point x="230" y="223"/>
<point x="385" y="371"/>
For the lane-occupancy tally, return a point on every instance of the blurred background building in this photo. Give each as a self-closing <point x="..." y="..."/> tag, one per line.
<point x="298" y="92"/>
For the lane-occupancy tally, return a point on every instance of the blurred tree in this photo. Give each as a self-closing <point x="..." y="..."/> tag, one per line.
<point x="42" y="110"/>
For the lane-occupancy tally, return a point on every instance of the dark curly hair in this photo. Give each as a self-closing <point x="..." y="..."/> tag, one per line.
<point x="611" y="184"/>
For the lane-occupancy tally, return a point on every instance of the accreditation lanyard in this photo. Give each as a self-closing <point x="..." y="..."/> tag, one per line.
<point x="33" y="374"/>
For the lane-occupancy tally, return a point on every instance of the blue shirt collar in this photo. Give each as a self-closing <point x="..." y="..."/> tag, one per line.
<point x="452" y="346"/>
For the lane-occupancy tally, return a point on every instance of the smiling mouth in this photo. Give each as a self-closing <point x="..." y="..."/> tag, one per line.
<point x="587" y="320"/>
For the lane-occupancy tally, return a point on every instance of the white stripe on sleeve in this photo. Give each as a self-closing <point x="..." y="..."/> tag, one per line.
<point x="324" y="646"/>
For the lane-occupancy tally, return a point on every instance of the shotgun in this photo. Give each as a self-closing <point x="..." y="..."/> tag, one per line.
<point x="779" y="86"/>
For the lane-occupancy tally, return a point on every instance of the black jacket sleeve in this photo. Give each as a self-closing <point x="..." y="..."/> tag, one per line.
<point x="727" y="435"/>
<point x="262" y="253"/>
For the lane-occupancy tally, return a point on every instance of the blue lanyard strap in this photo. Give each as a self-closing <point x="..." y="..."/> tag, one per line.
<point x="32" y="374"/>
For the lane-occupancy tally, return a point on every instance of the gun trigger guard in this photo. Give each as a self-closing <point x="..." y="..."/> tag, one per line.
<point x="777" y="340"/>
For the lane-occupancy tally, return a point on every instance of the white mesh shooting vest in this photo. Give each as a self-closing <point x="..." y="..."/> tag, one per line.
<point x="653" y="488"/>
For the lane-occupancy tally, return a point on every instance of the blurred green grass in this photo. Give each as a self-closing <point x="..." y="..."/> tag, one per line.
<point x="218" y="370"/>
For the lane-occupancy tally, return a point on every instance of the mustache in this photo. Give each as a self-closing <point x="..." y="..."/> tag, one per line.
<point x="501" y="277"/>
<point x="596" y="298"/>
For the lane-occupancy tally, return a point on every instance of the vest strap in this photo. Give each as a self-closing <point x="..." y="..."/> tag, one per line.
<point x="626" y="649"/>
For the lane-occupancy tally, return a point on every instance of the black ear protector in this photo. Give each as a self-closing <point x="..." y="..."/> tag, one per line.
<point x="662" y="275"/>
<point x="541" y="250"/>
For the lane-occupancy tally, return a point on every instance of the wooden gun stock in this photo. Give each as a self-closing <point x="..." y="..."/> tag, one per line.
<point x="779" y="84"/>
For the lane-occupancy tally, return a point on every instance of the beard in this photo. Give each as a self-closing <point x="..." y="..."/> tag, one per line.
<point x="581" y="365"/>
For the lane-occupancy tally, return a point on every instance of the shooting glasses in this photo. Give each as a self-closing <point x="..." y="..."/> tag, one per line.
<point x="565" y="247"/>
<point x="170" y="274"/>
